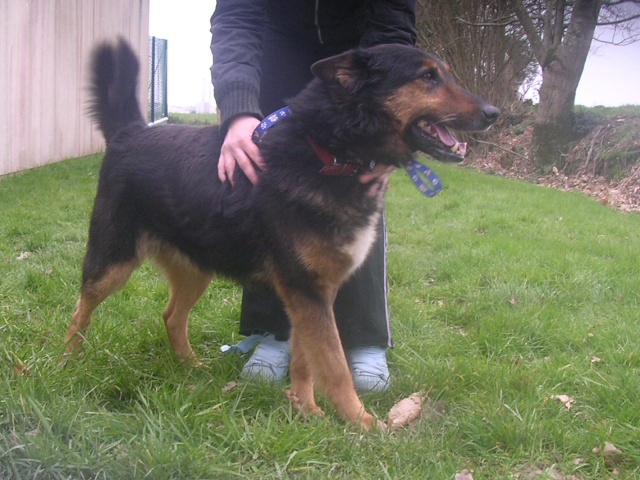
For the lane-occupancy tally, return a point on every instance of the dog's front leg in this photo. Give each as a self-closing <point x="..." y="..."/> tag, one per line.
<point x="301" y="393"/>
<point x="318" y="355"/>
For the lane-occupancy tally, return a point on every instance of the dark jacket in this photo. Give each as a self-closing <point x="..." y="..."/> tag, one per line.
<point x="237" y="28"/>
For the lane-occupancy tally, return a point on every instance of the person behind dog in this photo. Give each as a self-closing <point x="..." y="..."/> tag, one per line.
<point x="262" y="54"/>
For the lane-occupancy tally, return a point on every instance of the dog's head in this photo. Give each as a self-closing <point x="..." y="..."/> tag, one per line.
<point x="408" y="97"/>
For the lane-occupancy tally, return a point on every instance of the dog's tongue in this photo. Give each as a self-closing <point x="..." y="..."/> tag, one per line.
<point x="445" y="137"/>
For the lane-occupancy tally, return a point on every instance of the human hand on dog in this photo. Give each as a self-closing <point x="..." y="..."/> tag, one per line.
<point x="239" y="150"/>
<point x="378" y="178"/>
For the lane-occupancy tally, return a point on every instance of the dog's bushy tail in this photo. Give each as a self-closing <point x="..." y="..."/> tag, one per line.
<point x="114" y="83"/>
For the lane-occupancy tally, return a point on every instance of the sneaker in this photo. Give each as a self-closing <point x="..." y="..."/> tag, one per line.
<point x="369" y="369"/>
<point x="270" y="360"/>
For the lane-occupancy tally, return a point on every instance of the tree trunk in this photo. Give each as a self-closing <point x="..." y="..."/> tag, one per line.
<point x="560" y="77"/>
<point x="562" y="60"/>
<point x="553" y="129"/>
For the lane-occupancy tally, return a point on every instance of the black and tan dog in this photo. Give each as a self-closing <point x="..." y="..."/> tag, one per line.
<point x="297" y="231"/>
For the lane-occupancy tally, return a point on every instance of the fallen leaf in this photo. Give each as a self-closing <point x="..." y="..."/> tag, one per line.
<point x="464" y="475"/>
<point x="531" y="472"/>
<point x="608" y="449"/>
<point x="20" y="370"/>
<point x="229" y="386"/>
<point x="405" y="411"/>
<point x="14" y="439"/>
<point x="566" y="399"/>
<point x="122" y="452"/>
<point x="611" y="454"/>
<point x="462" y="332"/>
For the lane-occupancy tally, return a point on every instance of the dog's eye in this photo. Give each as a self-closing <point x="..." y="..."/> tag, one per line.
<point x="430" y="76"/>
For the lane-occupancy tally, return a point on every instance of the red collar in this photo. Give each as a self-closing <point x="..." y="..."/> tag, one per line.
<point x="332" y="167"/>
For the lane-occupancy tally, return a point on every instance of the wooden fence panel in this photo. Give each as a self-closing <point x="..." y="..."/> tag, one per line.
<point x="44" y="51"/>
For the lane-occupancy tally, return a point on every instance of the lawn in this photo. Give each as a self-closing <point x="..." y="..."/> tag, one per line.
<point x="514" y="305"/>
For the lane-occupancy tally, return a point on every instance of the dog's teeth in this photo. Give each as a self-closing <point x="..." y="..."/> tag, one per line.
<point x="427" y="128"/>
<point x="459" y="149"/>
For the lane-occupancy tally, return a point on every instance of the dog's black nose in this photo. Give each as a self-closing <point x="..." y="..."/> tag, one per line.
<point x="490" y="113"/>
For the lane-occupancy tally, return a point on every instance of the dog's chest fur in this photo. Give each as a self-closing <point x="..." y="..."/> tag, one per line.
<point x="335" y="256"/>
<point x="364" y="238"/>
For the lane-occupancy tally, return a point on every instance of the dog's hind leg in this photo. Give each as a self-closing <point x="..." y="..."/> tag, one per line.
<point x="114" y="251"/>
<point x="92" y="294"/>
<point x="187" y="283"/>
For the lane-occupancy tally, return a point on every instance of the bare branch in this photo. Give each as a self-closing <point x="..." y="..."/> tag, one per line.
<point x="502" y="148"/>
<point x="619" y="2"/>
<point x="618" y="22"/>
<point x="620" y="43"/>
<point x="532" y="34"/>
<point x="497" y="23"/>
<point x="559" y="30"/>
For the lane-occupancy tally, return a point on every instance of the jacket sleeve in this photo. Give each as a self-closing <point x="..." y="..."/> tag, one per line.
<point x="390" y="21"/>
<point x="236" y="45"/>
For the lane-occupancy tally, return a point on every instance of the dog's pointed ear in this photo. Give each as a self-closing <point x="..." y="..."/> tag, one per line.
<point x="337" y="69"/>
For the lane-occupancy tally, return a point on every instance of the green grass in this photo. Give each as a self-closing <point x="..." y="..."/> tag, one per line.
<point x="610" y="112"/>
<point x="193" y="118"/>
<point x="502" y="293"/>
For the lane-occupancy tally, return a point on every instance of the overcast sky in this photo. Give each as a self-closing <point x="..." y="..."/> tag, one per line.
<point x="611" y="75"/>
<point x="185" y="24"/>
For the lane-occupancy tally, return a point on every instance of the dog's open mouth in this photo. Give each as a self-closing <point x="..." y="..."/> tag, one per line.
<point x="437" y="141"/>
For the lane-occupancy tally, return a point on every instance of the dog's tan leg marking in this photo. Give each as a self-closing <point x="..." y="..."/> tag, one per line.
<point x="301" y="395"/>
<point x="187" y="284"/>
<point x="316" y="336"/>
<point x="93" y="293"/>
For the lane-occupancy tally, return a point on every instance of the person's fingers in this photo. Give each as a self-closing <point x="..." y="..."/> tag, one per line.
<point x="226" y="166"/>
<point x="239" y="150"/>
<point x="378" y="188"/>
<point x="253" y="152"/>
<point x="378" y="171"/>
<point x="246" y="164"/>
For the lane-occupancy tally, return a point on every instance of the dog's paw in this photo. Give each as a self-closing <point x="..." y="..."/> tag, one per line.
<point x="190" y="360"/>
<point x="370" y="423"/>
<point x="69" y="356"/>
<point x="195" y="363"/>
<point x="304" y="409"/>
